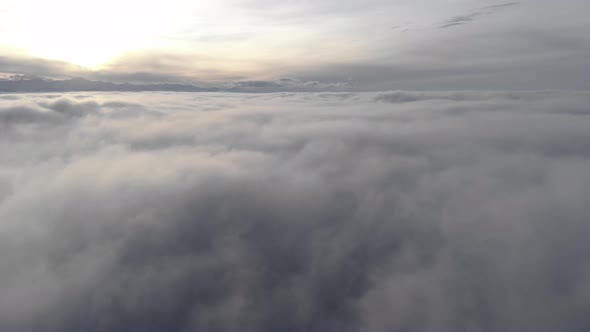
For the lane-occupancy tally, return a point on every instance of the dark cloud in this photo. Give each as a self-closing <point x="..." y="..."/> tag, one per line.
<point x="460" y="96"/>
<point x="502" y="5"/>
<point x="400" y="211"/>
<point x="25" y="83"/>
<point x="284" y="84"/>
<point x="21" y="83"/>
<point x="36" y="66"/>
<point x="467" y="18"/>
<point x="132" y="68"/>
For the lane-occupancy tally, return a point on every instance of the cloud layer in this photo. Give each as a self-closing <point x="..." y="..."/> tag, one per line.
<point x="398" y="211"/>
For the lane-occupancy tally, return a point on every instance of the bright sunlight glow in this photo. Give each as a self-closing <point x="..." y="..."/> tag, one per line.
<point x="90" y="33"/>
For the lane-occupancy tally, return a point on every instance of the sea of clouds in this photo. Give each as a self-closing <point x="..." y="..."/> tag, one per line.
<point x="394" y="211"/>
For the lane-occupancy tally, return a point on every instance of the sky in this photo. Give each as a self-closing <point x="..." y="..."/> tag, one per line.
<point x="361" y="45"/>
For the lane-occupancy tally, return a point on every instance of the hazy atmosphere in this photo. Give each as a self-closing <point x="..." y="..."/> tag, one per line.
<point x="274" y="166"/>
<point x="356" y="44"/>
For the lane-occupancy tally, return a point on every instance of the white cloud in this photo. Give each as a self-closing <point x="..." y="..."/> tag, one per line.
<point x="422" y="211"/>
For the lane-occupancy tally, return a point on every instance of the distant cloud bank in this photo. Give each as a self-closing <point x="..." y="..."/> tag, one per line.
<point x="31" y="83"/>
<point x="397" y="211"/>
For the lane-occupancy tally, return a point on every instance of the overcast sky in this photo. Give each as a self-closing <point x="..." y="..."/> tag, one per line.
<point x="366" y="45"/>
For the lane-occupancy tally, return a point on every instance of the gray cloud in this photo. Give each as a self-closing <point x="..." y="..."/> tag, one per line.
<point x="520" y="60"/>
<point x="37" y="66"/>
<point x="502" y="5"/>
<point x="467" y="18"/>
<point x="132" y="68"/>
<point x="398" y="211"/>
<point x="284" y="84"/>
<point x="25" y="83"/>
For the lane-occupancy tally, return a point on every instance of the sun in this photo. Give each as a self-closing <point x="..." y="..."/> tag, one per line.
<point x="81" y="50"/>
<point x="90" y="33"/>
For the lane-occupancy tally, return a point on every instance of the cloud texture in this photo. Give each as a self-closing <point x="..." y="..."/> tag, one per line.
<point x="395" y="211"/>
<point x="467" y="18"/>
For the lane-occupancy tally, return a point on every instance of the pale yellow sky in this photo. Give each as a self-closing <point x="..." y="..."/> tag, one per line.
<point x="94" y="34"/>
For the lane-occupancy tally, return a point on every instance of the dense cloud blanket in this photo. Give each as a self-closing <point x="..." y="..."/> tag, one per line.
<point x="398" y="211"/>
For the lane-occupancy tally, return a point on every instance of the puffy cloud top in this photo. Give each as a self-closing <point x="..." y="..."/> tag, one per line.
<point x="398" y="211"/>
